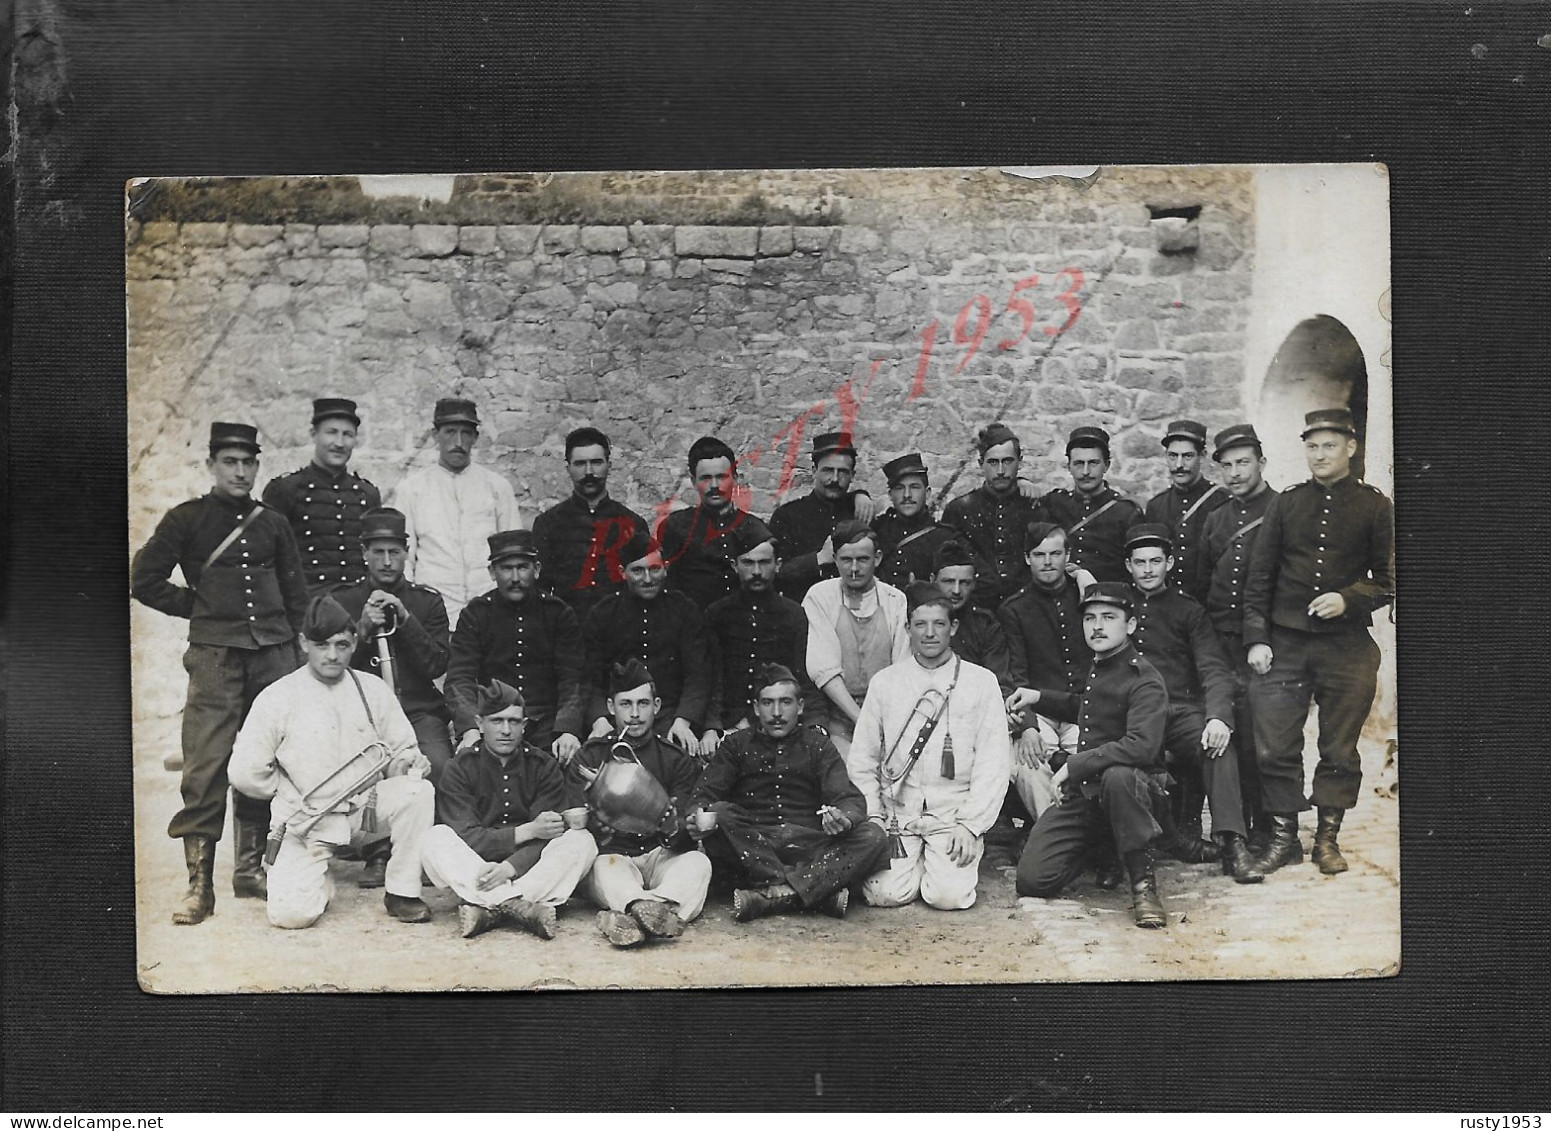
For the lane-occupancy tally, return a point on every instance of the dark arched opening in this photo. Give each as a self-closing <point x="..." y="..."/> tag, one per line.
<point x="1318" y="365"/>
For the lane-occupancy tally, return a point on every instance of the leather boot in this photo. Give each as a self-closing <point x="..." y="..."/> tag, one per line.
<point x="1146" y="907"/>
<point x="834" y="905"/>
<point x="406" y="908"/>
<point x="375" y="871"/>
<point x="1327" y="854"/>
<point x="1187" y="850"/>
<point x="474" y="920"/>
<point x="756" y="903"/>
<point x="535" y="918"/>
<point x="620" y="929"/>
<point x="248" y="878"/>
<point x="1283" y="848"/>
<point x="1236" y="859"/>
<point x="199" y="903"/>
<point x="658" y="918"/>
<point x="1259" y="822"/>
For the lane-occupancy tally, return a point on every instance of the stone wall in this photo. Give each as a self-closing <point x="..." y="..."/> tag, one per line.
<point x="665" y="306"/>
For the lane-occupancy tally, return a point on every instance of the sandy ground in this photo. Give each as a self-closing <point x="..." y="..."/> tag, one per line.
<point x="1297" y="924"/>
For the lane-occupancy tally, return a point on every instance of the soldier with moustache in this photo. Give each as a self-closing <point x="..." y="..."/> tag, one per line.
<point x="1184" y="506"/>
<point x="244" y="598"/>
<point x="992" y="516"/>
<point x="662" y="629"/>
<point x="907" y="534"/>
<point x="1227" y="545"/>
<point x="694" y="540"/>
<point x="781" y="814"/>
<point x="1175" y="635"/>
<point x="1093" y="514"/>
<point x="803" y="526"/>
<point x="526" y="639"/>
<point x="1324" y="562"/>
<point x="1108" y="786"/>
<point x="579" y="538"/>
<point x="325" y="501"/>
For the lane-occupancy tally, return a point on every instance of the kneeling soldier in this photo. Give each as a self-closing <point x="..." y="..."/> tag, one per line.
<point x="512" y="845"/>
<point x="1107" y="786"/>
<point x="649" y="883"/>
<point x="296" y="750"/>
<point x="783" y="814"/>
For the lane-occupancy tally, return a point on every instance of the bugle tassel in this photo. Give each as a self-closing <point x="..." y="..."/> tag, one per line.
<point x="947" y="755"/>
<point x="896" y="840"/>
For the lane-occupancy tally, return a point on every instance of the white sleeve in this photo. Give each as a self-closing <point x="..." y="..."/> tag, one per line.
<point x="254" y="769"/>
<point x="864" y="761"/>
<point x="404" y="501"/>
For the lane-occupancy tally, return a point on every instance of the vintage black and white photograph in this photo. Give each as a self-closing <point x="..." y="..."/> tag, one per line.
<point x="762" y="578"/>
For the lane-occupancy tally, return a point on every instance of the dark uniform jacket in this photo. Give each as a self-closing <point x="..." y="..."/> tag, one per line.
<point x="419" y="645"/>
<point x="993" y="525"/>
<point x="579" y="550"/>
<point x="1336" y="539"/>
<point x="1169" y="507"/>
<point x="535" y="645"/>
<point x="668" y="635"/>
<point x="483" y="801"/>
<point x="1174" y="634"/>
<point x="800" y="527"/>
<point x="1100" y="545"/>
<point x="748" y="632"/>
<point x="781" y="781"/>
<point x="1044" y="638"/>
<point x="699" y="557"/>
<point x="251" y="596"/>
<point x="1120" y="716"/>
<point x="908" y="546"/>
<point x="978" y="639"/>
<point x="674" y="770"/>
<point x="324" y="509"/>
<point x="1227" y="544"/>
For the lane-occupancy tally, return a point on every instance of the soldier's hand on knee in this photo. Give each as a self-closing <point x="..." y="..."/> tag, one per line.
<point x="1214" y="737"/>
<point x="492" y="874"/>
<point x="961" y="845"/>
<point x="1259" y="658"/>
<point x="682" y="735"/>
<point x="1029" y="749"/>
<point x="564" y="748"/>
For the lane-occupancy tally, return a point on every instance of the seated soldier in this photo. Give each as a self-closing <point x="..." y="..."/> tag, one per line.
<point x="783" y="816"/>
<point x="1107" y="786"/>
<point x="299" y="749"/>
<point x="648" y="878"/>
<point x="932" y="758"/>
<point x="512" y="846"/>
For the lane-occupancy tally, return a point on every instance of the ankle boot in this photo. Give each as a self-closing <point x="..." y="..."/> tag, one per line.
<point x="1259" y="822"/>
<point x="756" y="903"/>
<point x="374" y="873"/>
<point x="1236" y="859"/>
<point x="1327" y="854"/>
<point x="248" y="879"/>
<point x="1187" y="850"/>
<point x="1107" y="872"/>
<point x="199" y="903"/>
<point x="1146" y="907"/>
<point x="1283" y="847"/>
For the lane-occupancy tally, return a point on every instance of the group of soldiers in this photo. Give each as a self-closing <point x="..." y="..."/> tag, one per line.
<point x="842" y="699"/>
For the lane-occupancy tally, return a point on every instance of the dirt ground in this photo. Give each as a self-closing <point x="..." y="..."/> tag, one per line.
<point x="1297" y="924"/>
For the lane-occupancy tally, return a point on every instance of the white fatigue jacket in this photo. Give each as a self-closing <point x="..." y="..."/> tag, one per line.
<point x="449" y="517"/>
<point x="307" y="728"/>
<point x="926" y="801"/>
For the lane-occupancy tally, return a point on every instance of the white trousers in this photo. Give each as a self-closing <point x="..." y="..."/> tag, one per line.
<point x="450" y="863"/>
<point x="299" y="884"/>
<point x="927" y="871"/>
<point x="617" y="881"/>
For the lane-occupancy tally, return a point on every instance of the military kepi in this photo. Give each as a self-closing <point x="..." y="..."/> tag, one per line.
<point x="1149" y="534"/>
<point x="454" y="410"/>
<point x="512" y="544"/>
<point x="1088" y="436"/>
<point x="1191" y="430"/>
<point x="325" y="407"/>
<point x="1235" y="435"/>
<point x="1116" y="593"/>
<point x="325" y="617"/>
<point x="383" y="524"/>
<point x="1329" y="420"/>
<point x="897" y="469"/>
<point x="224" y="434"/>
<point x="832" y="443"/>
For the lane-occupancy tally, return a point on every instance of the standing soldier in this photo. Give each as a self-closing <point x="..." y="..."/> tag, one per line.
<point x="580" y="537"/>
<point x="993" y="515"/>
<point x="694" y="540"/>
<point x="1324" y="561"/>
<point x="1227" y="544"/>
<point x="324" y="501"/>
<point x="802" y="526"/>
<point x="1091" y="512"/>
<point x="1184" y="505"/>
<point x="907" y="533"/>
<point x="245" y="600"/>
<point x="451" y="509"/>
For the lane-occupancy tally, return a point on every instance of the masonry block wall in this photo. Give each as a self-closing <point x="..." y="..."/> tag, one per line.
<point x="760" y="307"/>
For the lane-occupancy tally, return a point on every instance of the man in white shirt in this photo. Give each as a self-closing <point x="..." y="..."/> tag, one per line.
<point x="451" y="508"/>
<point x="932" y="757"/>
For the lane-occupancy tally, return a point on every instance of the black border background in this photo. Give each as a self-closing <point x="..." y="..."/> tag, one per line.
<point x="1453" y="99"/>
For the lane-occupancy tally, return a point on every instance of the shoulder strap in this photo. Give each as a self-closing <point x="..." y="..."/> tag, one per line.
<point x="236" y="533"/>
<point x="1245" y="529"/>
<point x="1195" y="506"/>
<point x="1079" y="525"/>
<point x="911" y="537"/>
<point x="361" y="691"/>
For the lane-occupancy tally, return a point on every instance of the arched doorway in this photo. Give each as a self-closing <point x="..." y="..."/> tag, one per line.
<point x="1318" y="365"/>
